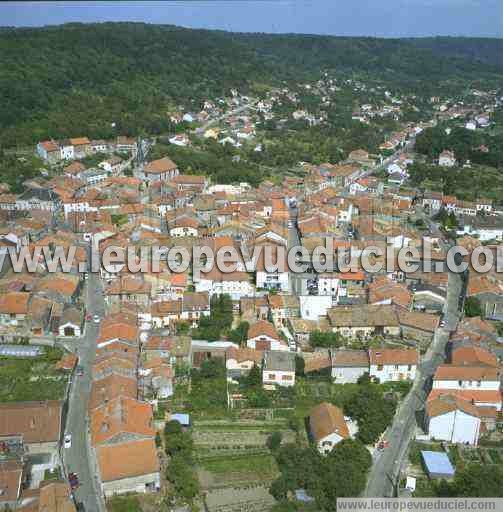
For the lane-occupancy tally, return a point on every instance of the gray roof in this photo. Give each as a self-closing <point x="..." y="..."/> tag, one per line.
<point x="279" y="361"/>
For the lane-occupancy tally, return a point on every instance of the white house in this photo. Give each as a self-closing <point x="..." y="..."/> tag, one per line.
<point x="239" y="361"/>
<point x="70" y="323"/>
<point x="278" y="370"/>
<point x="273" y="280"/>
<point x="327" y="426"/>
<point x="49" y="151"/>
<point x="483" y="205"/>
<point x="453" y="419"/>
<point x="328" y="284"/>
<point x="314" y="306"/>
<point x="393" y="364"/>
<point x="262" y="335"/>
<point x="349" y="365"/>
<point x="112" y="165"/>
<point x="183" y="225"/>
<point x="67" y="150"/>
<point x="162" y="169"/>
<point x="432" y="200"/>
<point x="447" y="159"/>
<point x="480" y="384"/>
<point x="236" y="284"/>
<point x="99" y="146"/>
<point x="180" y="140"/>
<point x="94" y="176"/>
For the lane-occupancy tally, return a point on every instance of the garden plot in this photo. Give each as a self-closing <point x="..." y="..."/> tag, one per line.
<point x="239" y="499"/>
<point x="237" y="470"/>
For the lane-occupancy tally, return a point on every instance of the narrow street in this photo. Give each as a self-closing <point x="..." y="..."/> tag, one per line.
<point x="77" y="458"/>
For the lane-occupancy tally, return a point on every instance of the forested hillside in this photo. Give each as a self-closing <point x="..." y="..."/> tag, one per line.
<point x="482" y="50"/>
<point x="79" y="79"/>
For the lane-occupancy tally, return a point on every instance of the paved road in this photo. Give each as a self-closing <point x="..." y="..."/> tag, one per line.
<point x="387" y="463"/>
<point x="76" y="459"/>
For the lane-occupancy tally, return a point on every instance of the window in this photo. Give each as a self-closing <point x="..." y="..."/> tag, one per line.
<point x="409" y="367"/>
<point x="379" y="367"/>
<point x="286" y="377"/>
<point x="460" y="382"/>
<point x="396" y="367"/>
<point x="272" y="376"/>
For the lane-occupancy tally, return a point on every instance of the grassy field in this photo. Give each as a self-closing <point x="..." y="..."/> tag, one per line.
<point x="263" y="465"/>
<point x="124" y="504"/>
<point x="31" y="379"/>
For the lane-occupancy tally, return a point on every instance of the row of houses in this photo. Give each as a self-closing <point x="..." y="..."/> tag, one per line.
<point x="76" y="148"/>
<point x="122" y="432"/>
<point x="466" y="397"/>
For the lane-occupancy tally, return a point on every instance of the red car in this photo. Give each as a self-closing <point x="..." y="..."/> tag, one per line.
<point x="89" y="316"/>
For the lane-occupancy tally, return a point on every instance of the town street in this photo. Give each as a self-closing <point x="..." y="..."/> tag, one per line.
<point x="77" y="459"/>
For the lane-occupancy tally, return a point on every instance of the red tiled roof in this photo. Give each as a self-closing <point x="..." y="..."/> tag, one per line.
<point x="388" y="356"/>
<point x="127" y="460"/>
<point x="326" y="419"/>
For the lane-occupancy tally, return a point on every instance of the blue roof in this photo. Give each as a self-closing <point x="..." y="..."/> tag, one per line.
<point x="438" y="463"/>
<point x="183" y="419"/>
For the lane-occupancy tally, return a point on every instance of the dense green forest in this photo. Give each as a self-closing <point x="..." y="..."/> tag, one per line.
<point x="104" y="79"/>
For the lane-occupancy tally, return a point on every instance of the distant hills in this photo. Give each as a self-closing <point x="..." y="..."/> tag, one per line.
<point x="78" y="79"/>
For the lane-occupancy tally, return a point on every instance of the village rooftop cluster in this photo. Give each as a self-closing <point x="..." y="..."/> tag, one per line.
<point x="131" y="345"/>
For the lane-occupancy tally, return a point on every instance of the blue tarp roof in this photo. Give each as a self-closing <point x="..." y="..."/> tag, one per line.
<point x="183" y="419"/>
<point x="438" y="463"/>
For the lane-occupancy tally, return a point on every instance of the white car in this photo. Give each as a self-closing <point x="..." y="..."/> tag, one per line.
<point x="68" y="440"/>
<point x="96" y="319"/>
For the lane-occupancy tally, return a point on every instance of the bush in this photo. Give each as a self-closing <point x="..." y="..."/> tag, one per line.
<point x="472" y="307"/>
<point x="279" y="489"/>
<point x="172" y="427"/>
<point x="274" y="441"/>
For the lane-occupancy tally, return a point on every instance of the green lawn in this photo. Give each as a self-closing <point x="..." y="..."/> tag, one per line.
<point x="263" y="465"/>
<point x="31" y="379"/>
<point x="124" y="504"/>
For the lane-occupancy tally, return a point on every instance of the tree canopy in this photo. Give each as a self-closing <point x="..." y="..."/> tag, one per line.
<point x="105" y="79"/>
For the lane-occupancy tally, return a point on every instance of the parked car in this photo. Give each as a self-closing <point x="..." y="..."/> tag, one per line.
<point x="68" y="440"/>
<point x="74" y="480"/>
<point x="96" y="319"/>
<point x="79" y="371"/>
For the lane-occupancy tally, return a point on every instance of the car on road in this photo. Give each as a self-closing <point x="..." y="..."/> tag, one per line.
<point x="79" y="371"/>
<point x="68" y="440"/>
<point x="442" y="323"/>
<point x="89" y="316"/>
<point x="96" y="319"/>
<point x="74" y="480"/>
